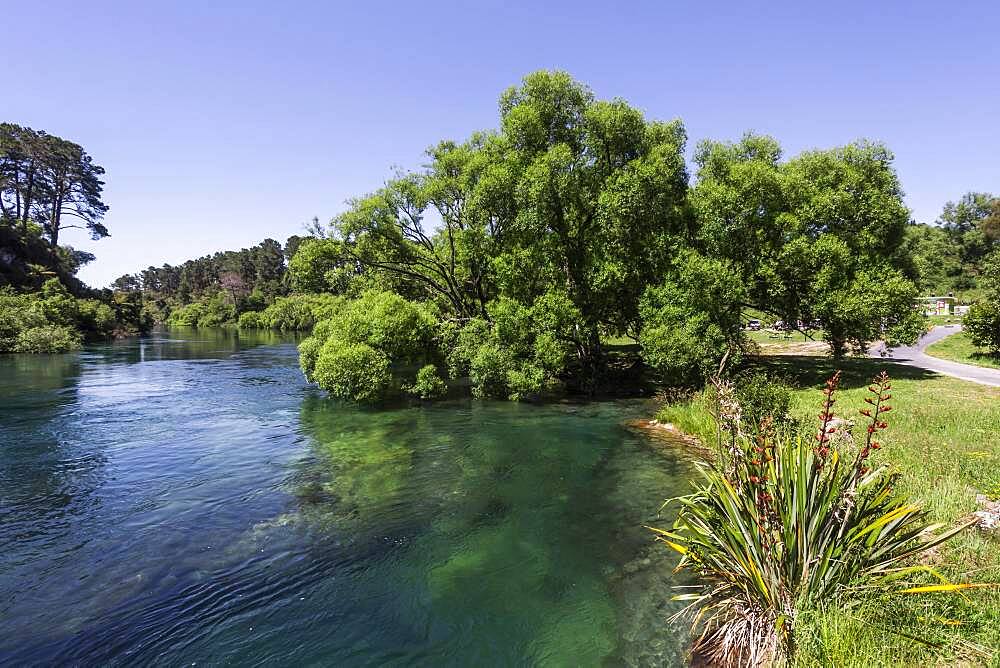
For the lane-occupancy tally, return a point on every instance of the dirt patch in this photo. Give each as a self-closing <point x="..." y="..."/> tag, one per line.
<point x="809" y="348"/>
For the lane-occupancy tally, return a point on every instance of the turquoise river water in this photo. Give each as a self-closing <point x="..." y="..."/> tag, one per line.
<point x="187" y="499"/>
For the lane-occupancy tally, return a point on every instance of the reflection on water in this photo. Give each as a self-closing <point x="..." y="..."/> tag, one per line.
<point x="187" y="497"/>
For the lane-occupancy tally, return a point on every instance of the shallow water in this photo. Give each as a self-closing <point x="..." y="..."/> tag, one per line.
<point x="188" y="498"/>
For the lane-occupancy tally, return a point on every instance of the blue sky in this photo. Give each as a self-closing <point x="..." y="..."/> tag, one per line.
<point x="221" y="124"/>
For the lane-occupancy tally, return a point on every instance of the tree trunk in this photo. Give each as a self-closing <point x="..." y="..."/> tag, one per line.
<point x="28" y="192"/>
<point x="55" y="220"/>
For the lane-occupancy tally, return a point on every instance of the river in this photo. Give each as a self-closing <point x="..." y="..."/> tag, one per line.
<point x="187" y="498"/>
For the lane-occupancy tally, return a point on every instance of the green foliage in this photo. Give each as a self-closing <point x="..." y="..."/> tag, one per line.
<point x="319" y="265"/>
<point x="948" y="257"/>
<point x="691" y="323"/>
<point x="252" y="277"/>
<point x="352" y="371"/>
<point x="868" y="305"/>
<point x="46" y="339"/>
<point x="187" y="315"/>
<point x="982" y="323"/>
<point x="428" y="384"/>
<point x="210" y="311"/>
<point x="309" y="353"/>
<point x="763" y="400"/>
<point x="43" y="178"/>
<point x="810" y="237"/>
<point x="95" y="316"/>
<point x="292" y="313"/>
<point x="780" y="524"/>
<point x="522" y="351"/>
<point x="50" y="320"/>
<point x="937" y="261"/>
<point x="577" y="196"/>
<point x="379" y="329"/>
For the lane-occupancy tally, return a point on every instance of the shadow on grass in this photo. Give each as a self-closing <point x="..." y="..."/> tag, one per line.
<point x="988" y="358"/>
<point x="811" y="371"/>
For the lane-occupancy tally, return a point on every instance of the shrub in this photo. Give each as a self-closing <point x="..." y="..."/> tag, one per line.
<point x="209" y="311"/>
<point x="763" y="400"/>
<point x="47" y="339"/>
<point x="982" y="322"/>
<point x="252" y="320"/>
<point x="308" y="354"/>
<point x="295" y="313"/>
<point x="187" y="315"/>
<point x="352" y="353"/>
<point x="352" y="371"/>
<point x="218" y="311"/>
<point x="96" y="317"/>
<point x="400" y="328"/>
<point x="428" y="384"/>
<point x="50" y="321"/>
<point x="780" y="524"/>
<point x="523" y="352"/>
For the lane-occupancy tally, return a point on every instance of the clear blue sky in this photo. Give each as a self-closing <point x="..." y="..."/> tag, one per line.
<point x="222" y="123"/>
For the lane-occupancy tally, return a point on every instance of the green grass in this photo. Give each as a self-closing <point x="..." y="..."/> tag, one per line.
<point x="933" y="320"/>
<point x="944" y="440"/>
<point x="959" y="348"/>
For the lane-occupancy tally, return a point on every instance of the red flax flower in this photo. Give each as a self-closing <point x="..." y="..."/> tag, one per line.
<point x="822" y="448"/>
<point x="879" y="390"/>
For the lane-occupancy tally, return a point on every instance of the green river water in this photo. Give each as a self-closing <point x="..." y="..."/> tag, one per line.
<point x="186" y="498"/>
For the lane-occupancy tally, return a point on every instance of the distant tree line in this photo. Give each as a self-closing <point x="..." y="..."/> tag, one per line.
<point x="948" y="256"/>
<point x="234" y="281"/>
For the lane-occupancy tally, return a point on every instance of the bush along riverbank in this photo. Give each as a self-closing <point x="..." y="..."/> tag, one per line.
<point x="52" y="320"/>
<point x="846" y="541"/>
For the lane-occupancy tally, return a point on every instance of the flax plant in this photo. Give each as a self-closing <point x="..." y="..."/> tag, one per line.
<point x="779" y="523"/>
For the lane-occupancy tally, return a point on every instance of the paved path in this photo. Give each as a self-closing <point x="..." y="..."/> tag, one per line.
<point x="915" y="356"/>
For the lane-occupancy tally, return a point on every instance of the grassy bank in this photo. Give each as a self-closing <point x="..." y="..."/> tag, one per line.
<point x="943" y="439"/>
<point x="959" y="348"/>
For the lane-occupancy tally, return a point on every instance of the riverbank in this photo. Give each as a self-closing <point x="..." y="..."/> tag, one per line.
<point x="944" y="442"/>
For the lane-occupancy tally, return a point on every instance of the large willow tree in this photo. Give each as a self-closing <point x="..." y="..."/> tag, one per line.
<point x="817" y="237"/>
<point x="573" y="197"/>
<point x="574" y="219"/>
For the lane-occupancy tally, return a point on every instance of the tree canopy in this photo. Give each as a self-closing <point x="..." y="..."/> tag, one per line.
<point x="49" y="181"/>
<point x="575" y="220"/>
